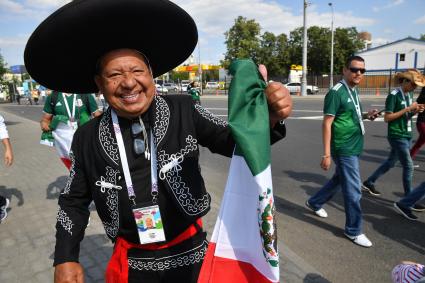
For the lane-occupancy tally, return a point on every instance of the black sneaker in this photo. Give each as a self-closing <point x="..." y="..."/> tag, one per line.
<point x="370" y="188"/>
<point x="406" y="212"/>
<point x="418" y="207"/>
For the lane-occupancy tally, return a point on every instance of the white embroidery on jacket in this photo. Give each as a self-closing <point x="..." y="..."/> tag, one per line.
<point x="179" y="188"/>
<point x="112" y="227"/>
<point x="107" y="139"/>
<point x="210" y="116"/>
<point x="71" y="174"/>
<point x="187" y="258"/>
<point x="162" y="119"/>
<point x="64" y="220"/>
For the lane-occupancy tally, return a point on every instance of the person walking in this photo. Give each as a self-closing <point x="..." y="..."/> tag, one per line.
<point x="408" y="203"/>
<point x="141" y="157"/>
<point x="63" y="113"/>
<point x="399" y="110"/>
<point x="194" y="91"/>
<point x="420" y="126"/>
<point x="8" y="160"/>
<point x="343" y="135"/>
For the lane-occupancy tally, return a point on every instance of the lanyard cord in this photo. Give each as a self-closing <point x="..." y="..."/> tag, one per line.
<point x="355" y="102"/>
<point x="74" y="102"/>
<point x="356" y="106"/>
<point x="124" y="163"/>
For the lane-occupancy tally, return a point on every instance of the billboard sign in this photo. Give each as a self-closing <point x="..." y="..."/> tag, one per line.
<point x="18" y="69"/>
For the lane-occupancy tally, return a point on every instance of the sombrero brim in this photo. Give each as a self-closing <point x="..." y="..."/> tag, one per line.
<point x="62" y="52"/>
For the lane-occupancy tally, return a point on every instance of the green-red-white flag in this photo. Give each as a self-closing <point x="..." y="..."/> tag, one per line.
<point x="243" y="247"/>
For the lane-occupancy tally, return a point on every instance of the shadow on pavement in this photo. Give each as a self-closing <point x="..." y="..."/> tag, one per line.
<point x="315" y="278"/>
<point x="10" y="192"/>
<point x="8" y="123"/>
<point x="302" y="213"/>
<point x="307" y="177"/>
<point x="55" y="188"/>
<point x="391" y="224"/>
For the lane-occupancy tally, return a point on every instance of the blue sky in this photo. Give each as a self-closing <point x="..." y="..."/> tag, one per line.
<point x="386" y="20"/>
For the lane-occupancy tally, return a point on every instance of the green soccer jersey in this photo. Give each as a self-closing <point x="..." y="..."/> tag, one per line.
<point x="396" y="101"/>
<point x="346" y="137"/>
<point x="82" y="114"/>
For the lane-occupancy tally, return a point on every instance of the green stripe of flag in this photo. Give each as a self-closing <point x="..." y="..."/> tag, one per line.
<point x="249" y="115"/>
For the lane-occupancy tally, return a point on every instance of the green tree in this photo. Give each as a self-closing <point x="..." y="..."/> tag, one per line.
<point x="346" y="44"/>
<point x="242" y="41"/>
<point x="422" y="37"/>
<point x="273" y="53"/>
<point x="3" y="68"/>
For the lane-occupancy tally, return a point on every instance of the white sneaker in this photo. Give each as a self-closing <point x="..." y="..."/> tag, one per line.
<point x="320" y="212"/>
<point x="360" y="240"/>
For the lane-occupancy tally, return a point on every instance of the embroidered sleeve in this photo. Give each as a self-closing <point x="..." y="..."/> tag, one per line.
<point x="215" y="134"/>
<point x="212" y="131"/>
<point x="73" y="211"/>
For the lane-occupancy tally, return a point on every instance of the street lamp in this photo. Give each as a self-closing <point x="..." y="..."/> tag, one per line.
<point x="304" y="77"/>
<point x="199" y="66"/>
<point x="331" y="77"/>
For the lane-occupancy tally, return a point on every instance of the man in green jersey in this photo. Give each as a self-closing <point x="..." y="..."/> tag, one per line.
<point x="399" y="110"/>
<point x="63" y="113"/>
<point x="343" y="132"/>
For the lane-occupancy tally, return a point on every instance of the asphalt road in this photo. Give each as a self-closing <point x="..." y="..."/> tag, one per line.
<point x="320" y="243"/>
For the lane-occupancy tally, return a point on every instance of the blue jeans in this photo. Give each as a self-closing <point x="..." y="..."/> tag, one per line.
<point x="413" y="197"/>
<point x="347" y="178"/>
<point x="400" y="150"/>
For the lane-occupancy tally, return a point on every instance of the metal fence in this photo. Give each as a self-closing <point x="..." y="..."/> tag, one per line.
<point x="379" y="82"/>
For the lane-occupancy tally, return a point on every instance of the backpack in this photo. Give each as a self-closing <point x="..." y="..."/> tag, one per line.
<point x="55" y="97"/>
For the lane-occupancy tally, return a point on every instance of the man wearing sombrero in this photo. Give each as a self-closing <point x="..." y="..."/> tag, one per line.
<point x="140" y="158"/>
<point x="399" y="110"/>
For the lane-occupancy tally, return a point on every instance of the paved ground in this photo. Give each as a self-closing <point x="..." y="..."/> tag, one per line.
<point x="33" y="184"/>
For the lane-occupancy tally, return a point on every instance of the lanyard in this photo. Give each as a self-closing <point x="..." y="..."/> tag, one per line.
<point x="356" y="105"/>
<point x="407" y="103"/>
<point x="74" y="102"/>
<point x="124" y="163"/>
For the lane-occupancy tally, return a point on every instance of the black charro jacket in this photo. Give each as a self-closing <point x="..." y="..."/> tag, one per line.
<point x="179" y="126"/>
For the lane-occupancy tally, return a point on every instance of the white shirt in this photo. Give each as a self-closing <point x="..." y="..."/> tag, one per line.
<point x="3" y="130"/>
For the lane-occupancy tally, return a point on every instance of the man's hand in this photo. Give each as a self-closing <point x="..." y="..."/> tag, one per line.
<point x="413" y="107"/>
<point x="278" y="99"/>
<point x="326" y="163"/>
<point x="45" y="122"/>
<point x="8" y="157"/>
<point x="372" y="114"/>
<point x="69" y="272"/>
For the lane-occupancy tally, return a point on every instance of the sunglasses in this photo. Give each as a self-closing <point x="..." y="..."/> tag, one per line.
<point x="355" y="70"/>
<point x="138" y="142"/>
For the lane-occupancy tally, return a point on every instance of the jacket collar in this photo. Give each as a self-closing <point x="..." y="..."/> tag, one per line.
<point x="159" y="113"/>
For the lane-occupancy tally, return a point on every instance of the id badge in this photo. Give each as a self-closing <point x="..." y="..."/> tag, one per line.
<point x="149" y="224"/>
<point x="73" y="125"/>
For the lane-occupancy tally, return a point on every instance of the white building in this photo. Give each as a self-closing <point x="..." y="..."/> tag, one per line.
<point x="398" y="55"/>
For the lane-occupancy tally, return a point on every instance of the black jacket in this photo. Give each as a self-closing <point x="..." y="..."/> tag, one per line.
<point x="178" y="126"/>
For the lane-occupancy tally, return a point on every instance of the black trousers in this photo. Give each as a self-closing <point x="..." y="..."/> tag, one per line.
<point x="179" y="263"/>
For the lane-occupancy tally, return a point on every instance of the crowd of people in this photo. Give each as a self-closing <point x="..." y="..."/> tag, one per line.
<point x="142" y="153"/>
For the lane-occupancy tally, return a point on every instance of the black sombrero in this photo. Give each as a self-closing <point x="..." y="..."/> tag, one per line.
<point x="62" y="52"/>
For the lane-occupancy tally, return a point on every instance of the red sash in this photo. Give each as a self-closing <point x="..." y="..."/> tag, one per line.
<point x="117" y="269"/>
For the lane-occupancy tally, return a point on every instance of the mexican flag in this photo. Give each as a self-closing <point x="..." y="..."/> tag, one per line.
<point x="243" y="247"/>
<point x="63" y="135"/>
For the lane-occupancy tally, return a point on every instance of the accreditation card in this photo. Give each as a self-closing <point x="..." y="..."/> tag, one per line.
<point x="149" y="224"/>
